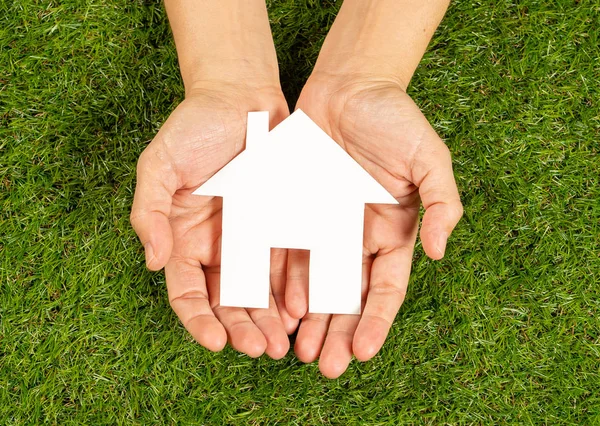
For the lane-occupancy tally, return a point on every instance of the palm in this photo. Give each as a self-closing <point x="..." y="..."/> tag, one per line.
<point x="371" y="120"/>
<point x="204" y="133"/>
<point x="385" y="132"/>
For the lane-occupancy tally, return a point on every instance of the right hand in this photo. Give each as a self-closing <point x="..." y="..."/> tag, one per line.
<point x="181" y="232"/>
<point x="379" y="126"/>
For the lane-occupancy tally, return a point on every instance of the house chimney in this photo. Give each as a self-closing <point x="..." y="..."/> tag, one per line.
<point x="258" y="128"/>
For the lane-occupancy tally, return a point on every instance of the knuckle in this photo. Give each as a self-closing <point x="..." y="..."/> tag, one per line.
<point x="457" y="208"/>
<point x="379" y="319"/>
<point x="134" y="217"/>
<point x="207" y="247"/>
<point x="460" y="209"/>
<point x="444" y="151"/>
<point x="143" y="160"/>
<point x="388" y="289"/>
<point x="192" y="295"/>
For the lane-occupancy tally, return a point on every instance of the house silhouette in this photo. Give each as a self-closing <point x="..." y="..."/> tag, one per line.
<point x="293" y="187"/>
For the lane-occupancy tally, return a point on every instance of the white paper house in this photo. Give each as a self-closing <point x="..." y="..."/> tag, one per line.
<point x="293" y="187"/>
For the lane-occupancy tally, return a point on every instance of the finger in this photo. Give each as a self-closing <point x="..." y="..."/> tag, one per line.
<point x="186" y="284"/>
<point x="432" y="173"/>
<point x="269" y="323"/>
<point x="311" y="335"/>
<point x="243" y="334"/>
<point x="387" y="289"/>
<point x="296" y="287"/>
<point x="278" y="278"/>
<point x="156" y="184"/>
<point x="337" y="349"/>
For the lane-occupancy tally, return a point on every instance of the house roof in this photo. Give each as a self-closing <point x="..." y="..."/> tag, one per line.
<point x="297" y="160"/>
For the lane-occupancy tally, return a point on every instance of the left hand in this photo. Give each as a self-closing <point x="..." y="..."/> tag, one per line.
<point x="379" y="125"/>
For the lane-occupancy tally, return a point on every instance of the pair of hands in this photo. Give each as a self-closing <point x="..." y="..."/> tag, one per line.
<point x="378" y="124"/>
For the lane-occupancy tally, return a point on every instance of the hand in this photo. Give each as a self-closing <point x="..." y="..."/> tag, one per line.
<point x="378" y="124"/>
<point x="182" y="231"/>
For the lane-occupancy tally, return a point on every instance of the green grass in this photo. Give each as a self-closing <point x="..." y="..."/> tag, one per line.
<point x="506" y="329"/>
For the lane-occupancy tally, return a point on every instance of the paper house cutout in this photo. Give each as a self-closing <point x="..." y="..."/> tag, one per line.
<point x="293" y="187"/>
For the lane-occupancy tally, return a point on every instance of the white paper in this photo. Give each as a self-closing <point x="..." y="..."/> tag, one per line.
<point x="293" y="187"/>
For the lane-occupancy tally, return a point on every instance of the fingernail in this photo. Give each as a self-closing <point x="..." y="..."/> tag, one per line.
<point x="441" y="243"/>
<point x="149" y="253"/>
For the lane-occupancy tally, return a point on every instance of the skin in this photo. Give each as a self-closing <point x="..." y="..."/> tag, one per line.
<point x="377" y="123"/>
<point x="228" y="68"/>
<point x="357" y="94"/>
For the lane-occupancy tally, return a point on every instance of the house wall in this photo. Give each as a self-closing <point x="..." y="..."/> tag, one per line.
<point x="245" y="256"/>
<point x="335" y="275"/>
<point x="333" y="234"/>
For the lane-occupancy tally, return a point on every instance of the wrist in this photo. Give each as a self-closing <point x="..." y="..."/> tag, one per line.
<point x="228" y="41"/>
<point x="239" y="89"/>
<point x="379" y="39"/>
<point x="348" y="64"/>
<point x="330" y="94"/>
<point x="235" y="71"/>
<point x="348" y="77"/>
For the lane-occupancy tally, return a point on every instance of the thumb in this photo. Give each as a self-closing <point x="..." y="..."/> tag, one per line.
<point x="156" y="184"/>
<point x="432" y="173"/>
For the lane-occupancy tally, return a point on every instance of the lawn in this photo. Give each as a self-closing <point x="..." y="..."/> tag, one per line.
<point x="505" y="329"/>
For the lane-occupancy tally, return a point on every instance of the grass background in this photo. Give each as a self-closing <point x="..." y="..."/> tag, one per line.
<point x="505" y="329"/>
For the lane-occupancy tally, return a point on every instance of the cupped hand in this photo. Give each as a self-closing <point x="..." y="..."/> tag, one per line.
<point x="181" y="232"/>
<point x="379" y="125"/>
